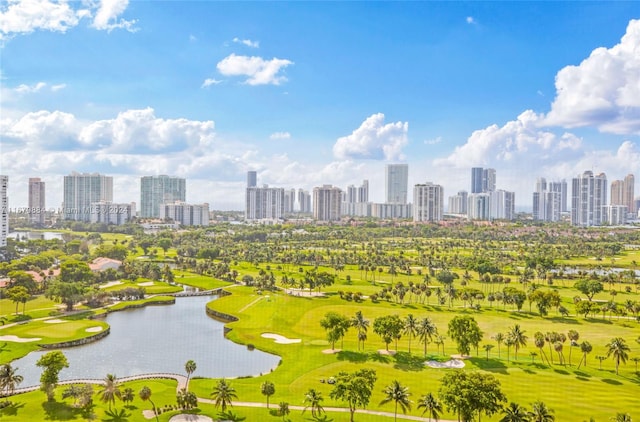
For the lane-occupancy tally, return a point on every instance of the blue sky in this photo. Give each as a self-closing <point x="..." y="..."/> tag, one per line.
<point x="310" y="93"/>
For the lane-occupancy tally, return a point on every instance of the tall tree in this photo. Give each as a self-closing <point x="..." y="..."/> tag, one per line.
<point x="361" y="324"/>
<point x="430" y="404"/>
<point x="519" y="338"/>
<point x="471" y="393"/>
<point x="145" y="394"/>
<point x="399" y="394"/>
<point x="336" y="326"/>
<point x="283" y="409"/>
<point x="223" y="393"/>
<point x="52" y="363"/>
<point x="110" y="390"/>
<point x="354" y="388"/>
<point x="573" y="341"/>
<point x="9" y="379"/>
<point x="464" y="330"/>
<point x="389" y="327"/>
<point x="312" y="399"/>
<point x="499" y="338"/>
<point x="619" y="349"/>
<point x="190" y="368"/>
<point x="515" y="413"/>
<point x="585" y="348"/>
<point x="410" y="328"/>
<point x="267" y="389"/>
<point x="426" y="330"/>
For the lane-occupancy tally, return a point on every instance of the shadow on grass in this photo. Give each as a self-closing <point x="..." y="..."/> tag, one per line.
<point x="582" y="379"/>
<point x="561" y="371"/>
<point x="11" y="410"/>
<point x="600" y="321"/>
<point x="117" y="415"/>
<point x="352" y="356"/>
<point x="407" y="362"/>
<point x="612" y="382"/>
<point x="493" y="365"/>
<point x="60" y="411"/>
<point x="582" y="374"/>
<point x="563" y="320"/>
<point x="529" y="371"/>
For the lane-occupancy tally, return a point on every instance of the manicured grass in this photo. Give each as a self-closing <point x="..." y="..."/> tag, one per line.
<point x="203" y="282"/>
<point x="158" y="287"/>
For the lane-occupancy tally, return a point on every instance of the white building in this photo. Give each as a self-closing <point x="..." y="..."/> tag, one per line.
<point x="264" y="203"/>
<point x="157" y="190"/>
<point x="428" y="202"/>
<point x="81" y="190"/>
<point x="327" y="201"/>
<point x="458" y="203"/>
<point x="110" y="213"/>
<point x="588" y="197"/>
<point x="502" y="205"/>
<point x="289" y="200"/>
<point x="396" y="182"/>
<point x="4" y="210"/>
<point x="615" y="215"/>
<point x="304" y="201"/>
<point x="185" y="214"/>
<point x="479" y="206"/>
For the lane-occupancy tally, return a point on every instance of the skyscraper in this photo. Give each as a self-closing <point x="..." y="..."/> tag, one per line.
<point x="252" y="179"/>
<point x="629" y="193"/>
<point x="36" y="201"/>
<point x="483" y="180"/>
<point x="588" y="197"/>
<point x="81" y="190"/>
<point x="458" y="203"/>
<point x="547" y="200"/>
<point x="264" y="203"/>
<point x="396" y="183"/>
<point x="4" y="210"/>
<point x="476" y="180"/>
<point x="428" y="202"/>
<point x="327" y="201"/>
<point x="157" y="190"/>
<point x="304" y="201"/>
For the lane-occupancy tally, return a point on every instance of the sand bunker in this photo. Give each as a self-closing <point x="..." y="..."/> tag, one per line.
<point x="277" y="338"/>
<point x="190" y="418"/>
<point x="93" y="329"/>
<point x="331" y="351"/>
<point x="109" y="284"/>
<point x="18" y="339"/>
<point x="454" y="363"/>
<point x="54" y="321"/>
<point x="147" y="284"/>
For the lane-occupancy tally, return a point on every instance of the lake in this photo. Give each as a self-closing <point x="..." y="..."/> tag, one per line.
<point x="157" y="339"/>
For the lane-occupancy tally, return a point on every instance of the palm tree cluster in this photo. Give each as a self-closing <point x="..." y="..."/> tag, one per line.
<point x="9" y="379"/>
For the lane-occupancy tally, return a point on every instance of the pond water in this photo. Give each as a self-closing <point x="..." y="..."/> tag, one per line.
<point x="157" y="339"/>
<point x="29" y="235"/>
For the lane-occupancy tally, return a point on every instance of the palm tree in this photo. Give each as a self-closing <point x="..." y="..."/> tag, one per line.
<point x="635" y="360"/>
<point x="361" y="324"/>
<point x="431" y="405"/>
<point x="9" y="379"/>
<point x="283" y="409"/>
<point x="426" y="330"/>
<point x="190" y="368"/>
<point x="410" y="328"/>
<point x="499" y="338"/>
<point x="399" y="394"/>
<point x="508" y="342"/>
<point x="585" y="348"/>
<point x="541" y="413"/>
<point x="110" y="390"/>
<point x="314" y="398"/>
<point x="619" y="349"/>
<point x="573" y="337"/>
<point x="519" y="338"/>
<point x="222" y="394"/>
<point x="487" y="348"/>
<point x="601" y="358"/>
<point x="515" y="413"/>
<point x="557" y="346"/>
<point x="127" y="395"/>
<point x="621" y="417"/>
<point x="145" y="394"/>
<point x="267" y="389"/>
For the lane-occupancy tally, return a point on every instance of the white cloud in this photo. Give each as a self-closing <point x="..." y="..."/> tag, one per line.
<point x="470" y="20"/>
<point x="209" y="82"/>
<point x="258" y="70"/>
<point x="106" y="17"/>
<point x="520" y="140"/>
<point x="58" y="87"/>
<point x="28" y="89"/>
<point x="280" y="135"/>
<point x="373" y="140"/>
<point x="26" y="16"/>
<point x="248" y="43"/>
<point x="433" y="141"/>
<point x="604" y="90"/>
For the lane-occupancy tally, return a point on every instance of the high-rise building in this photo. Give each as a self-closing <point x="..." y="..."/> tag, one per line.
<point x="4" y="210"/>
<point x="157" y="190"/>
<point x="479" y="206"/>
<point x="476" y="179"/>
<point x="396" y="183"/>
<point x="289" y="200"/>
<point x="458" y="203"/>
<point x="304" y="201"/>
<point x="264" y="203"/>
<point x="252" y="179"/>
<point x="629" y="193"/>
<point x="428" y="202"/>
<point x="36" y="201"/>
<point x="547" y="200"/>
<point x="185" y="214"/>
<point x="483" y="180"/>
<point x="81" y="190"/>
<point x="327" y="201"/>
<point x="502" y="205"/>
<point x="588" y="197"/>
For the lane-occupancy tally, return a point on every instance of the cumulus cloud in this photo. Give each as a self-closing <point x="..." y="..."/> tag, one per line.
<point x="247" y="42"/>
<point x="210" y="82"/>
<point x="373" y="140"/>
<point x="27" y="16"/>
<point x="280" y="135"/>
<point x="37" y="87"/>
<point x="470" y="20"/>
<point x="521" y="139"/>
<point x="52" y="130"/>
<point x="604" y="90"/>
<point x="433" y="141"/>
<point x="258" y="70"/>
<point x="106" y="17"/>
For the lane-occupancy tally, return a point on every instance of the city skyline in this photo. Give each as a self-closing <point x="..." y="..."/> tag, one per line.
<point x="444" y="88"/>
